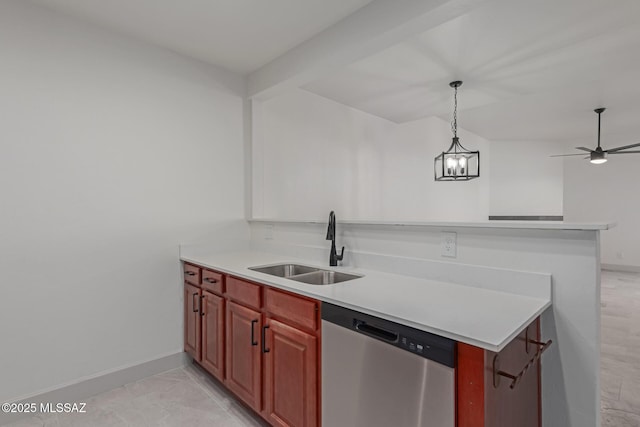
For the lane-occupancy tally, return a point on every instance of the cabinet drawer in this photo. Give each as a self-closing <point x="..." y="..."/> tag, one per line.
<point x="212" y="281"/>
<point x="191" y="274"/>
<point x="244" y="292"/>
<point x="290" y="308"/>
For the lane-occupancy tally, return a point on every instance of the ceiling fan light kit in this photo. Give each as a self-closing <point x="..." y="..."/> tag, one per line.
<point x="457" y="163"/>
<point x="598" y="156"/>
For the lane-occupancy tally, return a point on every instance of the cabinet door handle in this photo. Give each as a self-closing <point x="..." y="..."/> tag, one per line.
<point x="253" y="338"/>
<point x="210" y="280"/>
<point x="193" y="301"/>
<point x="201" y="310"/>
<point x="189" y="273"/>
<point x="264" y="339"/>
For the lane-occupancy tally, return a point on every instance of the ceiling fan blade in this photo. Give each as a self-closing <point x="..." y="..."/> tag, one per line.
<point x="584" y="149"/>
<point x="625" y="152"/>
<point x="611" y="150"/>
<point x="566" y="155"/>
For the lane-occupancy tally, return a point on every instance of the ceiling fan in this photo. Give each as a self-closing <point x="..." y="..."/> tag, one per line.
<point x="598" y="155"/>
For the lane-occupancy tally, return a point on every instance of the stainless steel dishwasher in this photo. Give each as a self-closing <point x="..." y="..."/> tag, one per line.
<point x="377" y="373"/>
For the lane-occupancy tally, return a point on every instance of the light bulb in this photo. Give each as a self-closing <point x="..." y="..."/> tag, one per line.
<point x="599" y="161"/>
<point x="452" y="164"/>
<point x="462" y="166"/>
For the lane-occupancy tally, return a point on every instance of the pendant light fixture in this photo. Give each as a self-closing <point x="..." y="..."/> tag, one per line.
<point x="457" y="163"/>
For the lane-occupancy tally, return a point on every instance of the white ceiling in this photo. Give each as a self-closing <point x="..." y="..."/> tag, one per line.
<point x="239" y="35"/>
<point x="533" y="70"/>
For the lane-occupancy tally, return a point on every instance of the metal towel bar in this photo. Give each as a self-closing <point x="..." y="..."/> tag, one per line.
<point x="515" y="379"/>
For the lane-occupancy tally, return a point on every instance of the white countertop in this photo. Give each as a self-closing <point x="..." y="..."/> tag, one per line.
<point x="484" y="318"/>
<point x="531" y="225"/>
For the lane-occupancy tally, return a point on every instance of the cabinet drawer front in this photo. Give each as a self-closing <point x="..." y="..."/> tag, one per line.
<point x="244" y="292"/>
<point x="290" y="308"/>
<point x="212" y="281"/>
<point x="191" y="274"/>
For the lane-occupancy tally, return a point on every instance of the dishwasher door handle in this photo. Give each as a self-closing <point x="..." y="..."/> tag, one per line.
<point x="376" y="332"/>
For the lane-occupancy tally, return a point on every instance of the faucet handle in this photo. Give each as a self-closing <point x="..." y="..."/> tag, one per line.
<point x="339" y="257"/>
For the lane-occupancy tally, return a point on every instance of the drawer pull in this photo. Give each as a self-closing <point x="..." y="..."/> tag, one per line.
<point x="210" y="280"/>
<point x="201" y="310"/>
<point x="264" y="339"/>
<point x="253" y="339"/>
<point x="189" y="273"/>
<point x="193" y="302"/>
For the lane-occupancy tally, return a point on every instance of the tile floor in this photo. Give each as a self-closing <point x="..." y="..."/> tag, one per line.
<point x="188" y="397"/>
<point x="177" y="398"/>
<point x="620" y="367"/>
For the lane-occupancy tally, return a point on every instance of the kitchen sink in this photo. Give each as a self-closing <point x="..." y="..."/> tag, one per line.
<point x="284" y="270"/>
<point x="305" y="274"/>
<point x="324" y="277"/>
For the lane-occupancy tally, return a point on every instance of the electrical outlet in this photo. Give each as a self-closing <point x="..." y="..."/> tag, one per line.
<point x="448" y="247"/>
<point x="619" y="255"/>
<point x="268" y="232"/>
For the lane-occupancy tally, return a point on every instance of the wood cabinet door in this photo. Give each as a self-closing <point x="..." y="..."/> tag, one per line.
<point x="291" y="376"/>
<point x="192" y="320"/>
<point x="244" y="368"/>
<point x="213" y="334"/>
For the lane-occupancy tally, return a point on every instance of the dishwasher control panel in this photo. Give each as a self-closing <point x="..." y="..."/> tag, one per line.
<point x="421" y="343"/>
<point x="412" y="346"/>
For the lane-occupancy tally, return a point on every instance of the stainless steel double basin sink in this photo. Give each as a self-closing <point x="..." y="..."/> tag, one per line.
<point x="305" y="274"/>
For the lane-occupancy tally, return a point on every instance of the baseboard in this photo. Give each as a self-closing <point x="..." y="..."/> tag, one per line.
<point x="83" y="388"/>
<point x="619" y="267"/>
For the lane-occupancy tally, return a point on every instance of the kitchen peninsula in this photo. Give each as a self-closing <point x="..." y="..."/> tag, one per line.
<point x="499" y="283"/>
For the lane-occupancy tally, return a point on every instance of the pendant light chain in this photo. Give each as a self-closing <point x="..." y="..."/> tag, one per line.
<point x="454" y="122"/>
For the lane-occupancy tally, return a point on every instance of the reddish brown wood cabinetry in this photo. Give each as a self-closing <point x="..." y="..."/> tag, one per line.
<point x="295" y="310"/>
<point x="291" y="386"/>
<point x="244" y="292"/>
<point x="191" y="274"/>
<point x="192" y="339"/>
<point x="212" y="281"/>
<point x="213" y="334"/>
<point x="204" y="318"/>
<point x="244" y="364"/>
<point x="262" y="343"/>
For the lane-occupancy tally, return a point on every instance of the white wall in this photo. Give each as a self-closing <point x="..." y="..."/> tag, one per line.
<point x="607" y="192"/>
<point x="112" y="153"/>
<point x="524" y="179"/>
<point x="312" y="155"/>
